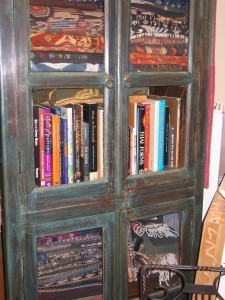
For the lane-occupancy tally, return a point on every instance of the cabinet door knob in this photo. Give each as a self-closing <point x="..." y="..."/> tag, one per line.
<point x="109" y="83"/>
<point x="127" y="81"/>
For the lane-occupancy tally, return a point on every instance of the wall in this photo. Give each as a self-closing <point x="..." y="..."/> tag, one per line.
<point x="219" y="53"/>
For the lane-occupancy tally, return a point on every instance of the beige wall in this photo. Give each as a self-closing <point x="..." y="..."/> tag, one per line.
<point x="220" y="53"/>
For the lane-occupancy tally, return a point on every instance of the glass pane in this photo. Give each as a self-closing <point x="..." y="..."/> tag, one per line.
<point x="152" y="241"/>
<point x="157" y="117"/>
<point x="66" y="35"/>
<point x="159" y="35"/>
<point x="68" y="135"/>
<point x="70" y="265"/>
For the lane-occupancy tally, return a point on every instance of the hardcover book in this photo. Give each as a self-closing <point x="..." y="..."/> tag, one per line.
<point x="86" y="152"/>
<point x="100" y="141"/>
<point x="140" y="138"/>
<point x="133" y="137"/>
<point x="48" y="148"/>
<point x="90" y="117"/>
<point x="55" y="150"/>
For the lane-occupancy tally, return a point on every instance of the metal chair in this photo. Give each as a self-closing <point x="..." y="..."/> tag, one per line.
<point x="178" y="285"/>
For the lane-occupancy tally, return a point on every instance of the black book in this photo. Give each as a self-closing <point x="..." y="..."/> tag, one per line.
<point x="86" y="152"/>
<point x="90" y="117"/>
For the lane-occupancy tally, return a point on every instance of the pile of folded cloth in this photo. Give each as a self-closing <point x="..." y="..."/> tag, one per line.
<point x="70" y="263"/>
<point x="159" y="35"/>
<point x="66" y="35"/>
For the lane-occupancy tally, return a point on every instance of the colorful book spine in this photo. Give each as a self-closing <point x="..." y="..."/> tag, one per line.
<point x="70" y="144"/>
<point x="171" y="148"/>
<point x="64" y="146"/>
<point x="100" y="140"/>
<point x="78" y="120"/>
<point x="133" y="150"/>
<point x="48" y="148"/>
<point x="147" y="137"/>
<point x="86" y="152"/>
<point x="74" y="144"/>
<point x="133" y="137"/>
<point x="154" y="129"/>
<point x="55" y="150"/>
<point x="90" y="117"/>
<point x="140" y="138"/>
<point x="42" y="145"/>
<point x="161" y="134"/>
<point x="36" y="138"/>
<point x="166" y="139"/>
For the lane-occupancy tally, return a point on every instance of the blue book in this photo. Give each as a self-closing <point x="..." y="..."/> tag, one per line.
<point x="161" y="134"/>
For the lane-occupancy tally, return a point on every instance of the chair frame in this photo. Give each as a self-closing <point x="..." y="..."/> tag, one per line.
<point x="186" y="288"/>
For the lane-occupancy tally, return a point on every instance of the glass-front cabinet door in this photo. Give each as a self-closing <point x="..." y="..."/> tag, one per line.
<point x="153" y="235"/>
<point x="71" y="259"/>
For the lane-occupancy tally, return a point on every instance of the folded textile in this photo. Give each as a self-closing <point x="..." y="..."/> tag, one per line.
<point x="66" y="67"/>
<point x="66" y="42"/>
<point x="44" y="19"/>
<point x="143" y="58"/>
<point x="65" y="3"/>
<point x="161" y="50"/>
<point x="158" y="68"/>
<point x="165" y="8"/>
<point x="160" y="41"/>
<point x="65" y="57"/>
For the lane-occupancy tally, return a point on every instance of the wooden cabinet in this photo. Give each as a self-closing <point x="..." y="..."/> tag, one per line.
<point x="117" y="205"/>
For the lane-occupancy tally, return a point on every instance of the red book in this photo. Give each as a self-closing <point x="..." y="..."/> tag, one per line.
<point x="147" y="137"/>
<point x="48" y="148"/>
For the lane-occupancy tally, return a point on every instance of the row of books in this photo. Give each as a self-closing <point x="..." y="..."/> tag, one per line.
<point x="156" y="134"/>
<point x="68" y="143"/>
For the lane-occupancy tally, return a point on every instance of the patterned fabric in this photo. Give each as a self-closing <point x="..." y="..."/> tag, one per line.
<point x="60" y="30"/>
<point x="159" y="35"/>
<point x="66" y="67"/>
<point x="65" y="42"/>
<point x="70" y="260"/>
<point x="63" y="56"/>
<point x="150" y="241"/>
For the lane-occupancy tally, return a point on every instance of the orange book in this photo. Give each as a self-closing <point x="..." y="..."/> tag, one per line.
<point x="55" y="150"/>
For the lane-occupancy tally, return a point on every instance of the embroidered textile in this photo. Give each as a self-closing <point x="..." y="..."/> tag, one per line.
<point x="151" y="241"/>
<point x="70" y="260"/>
<point x="65" y="35"/>
<point x="158" y="29"/>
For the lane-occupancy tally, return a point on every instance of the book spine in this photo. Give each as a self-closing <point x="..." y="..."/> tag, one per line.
<point x="78" y="141"/>
<point x="171" y="148"/>
<point x="154" y="129"/>
<point x="61" y="150"/>
<point x="48" y="148"/>
<point x="86" y="152"/>
<point x="133" y="150"/>
<point x="65" y="153"/>
<point x="82" y="143"/>
<point x="70" y="144"/>
<point x="74" y="144"/>
<point x="161" y="134"/>
<point x="42" y="146"/>
<point x="166" y="140"/>
<point x="36" y="145"/>
<point x="90" y="116"/>
<point x="140" y="138"/>
<point x="100" y="140"/>
<point x="181" y="157"/>
<point x="147" y="138"/>
<point x="133" y="137"/>
<point x="177" y="144"/>
<point x="55" y="150"/>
